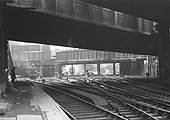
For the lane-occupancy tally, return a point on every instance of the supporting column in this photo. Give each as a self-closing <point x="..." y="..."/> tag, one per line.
<point x="113" y="68"/>
<point x="84" y="69"/>
<point x="72" y="69"/>
<point x="132" y="66"/>
<point x="60" y="71"/>
<point x="164" y="52"/>
<point x="3" y="44"/>
<point x="98" y="68"/>
<point x="41" y="71"/>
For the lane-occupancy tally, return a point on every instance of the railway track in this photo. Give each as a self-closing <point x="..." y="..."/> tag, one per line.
<point x="143" y="90"/>
<point x="157" y="109"/>
<point x="119" y="106"/>
<point x="129" y="108"/>
<point x="78" y="109"/>
<point x="161" y="91"/>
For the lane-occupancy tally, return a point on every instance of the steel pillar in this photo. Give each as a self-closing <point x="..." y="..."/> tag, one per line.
<point x="113" y="68"/>
<point x="84" y="69"/>
<point x="98" y="69"/>
<point x="72" y="69"/>
<point x="3" y="44"/>
<point x="164" y="52"/>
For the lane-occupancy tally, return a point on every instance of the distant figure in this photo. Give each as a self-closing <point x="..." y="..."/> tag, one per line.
<point x="67" y="75"/>
<point x="60" y="74"/>
<point x="13" y="77"/>
<point x="43" y="80"/>
<point x="86" y="73"/>
<point x="147" y="74"/>
<point x="10" y="86"/>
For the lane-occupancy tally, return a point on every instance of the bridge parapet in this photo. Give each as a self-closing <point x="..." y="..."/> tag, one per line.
<point x="82" y="11"/>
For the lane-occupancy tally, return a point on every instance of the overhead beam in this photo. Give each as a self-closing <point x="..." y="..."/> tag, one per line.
<point x="30" y="26"/>
<point x="154" y="10"/>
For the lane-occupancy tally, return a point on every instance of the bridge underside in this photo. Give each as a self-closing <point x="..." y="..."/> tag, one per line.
<point x="154" y="10"/>
<point x="40" y="27"/>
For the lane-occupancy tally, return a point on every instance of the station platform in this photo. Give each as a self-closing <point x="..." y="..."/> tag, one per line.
<point x="30" y="102"/>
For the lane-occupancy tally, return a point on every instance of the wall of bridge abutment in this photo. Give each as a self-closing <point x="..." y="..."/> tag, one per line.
<point x="164" y="52"/>
<point x="3" y="46"/>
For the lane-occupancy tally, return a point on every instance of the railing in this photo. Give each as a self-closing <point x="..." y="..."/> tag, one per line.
<point x="82" y="11"/>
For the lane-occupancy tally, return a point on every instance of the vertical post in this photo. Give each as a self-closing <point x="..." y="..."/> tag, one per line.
<point x="72" y="69"/>
<point x="142" y="68"/>
<point x="3" y="44"/>
<point x="41" y="70"/>
<point x="132" y="66"/>
<point x="60" y="71"/>
<point x="1" y="41"/>
<point x="84" y="69"/>
<point x="113" y="68"/>
<point x="98" y="68"/>
<point x="164" y="52"/>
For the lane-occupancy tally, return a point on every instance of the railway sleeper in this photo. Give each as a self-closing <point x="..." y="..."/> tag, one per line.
<point x="70" y="106"/>
<point x="78" y="109"/>
<point x="83" y="111"/>
<point x="73" y="105"/>
<point x="89" y="113"/>
<point x="155" y="113"/>
<point x="68" y="102"/>
<point x="163" y="118"/>
<point x="136" y="118"/>
<point x="90" y="116"/>
<point x="100" y="116"/>
<point x="126" y="113"/>
<point x="103" y="118"/>
<point x="131" y="116"/>
<point x="121" y="109"/>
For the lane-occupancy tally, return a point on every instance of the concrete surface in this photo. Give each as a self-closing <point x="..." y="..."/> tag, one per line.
<point x="30" y="103"/>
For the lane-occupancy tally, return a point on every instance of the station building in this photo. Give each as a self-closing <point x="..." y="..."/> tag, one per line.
<point x="75" y="62"/>
<point x="26" y="55"/>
